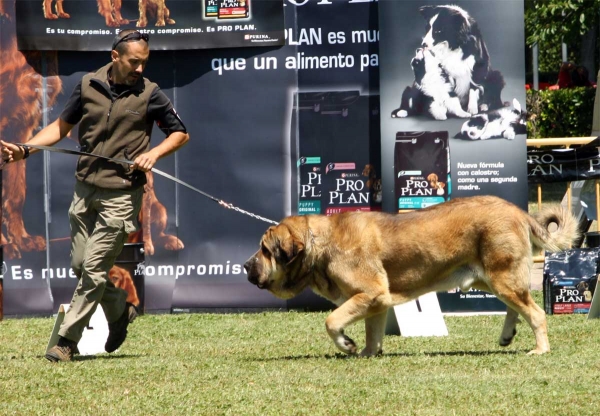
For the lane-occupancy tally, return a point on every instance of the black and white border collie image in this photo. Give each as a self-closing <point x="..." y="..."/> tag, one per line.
<point x="431" y="91"/>
<point x="502" y="123"/>
<point x="454" y="38"/>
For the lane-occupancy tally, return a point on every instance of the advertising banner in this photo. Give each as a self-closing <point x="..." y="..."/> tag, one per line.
<point x="452" y="108"/>
<point x="564" y="165"/>
<point x="172" y="24"/>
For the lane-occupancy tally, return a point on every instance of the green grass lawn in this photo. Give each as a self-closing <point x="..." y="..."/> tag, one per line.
<point x="283" y="363"/>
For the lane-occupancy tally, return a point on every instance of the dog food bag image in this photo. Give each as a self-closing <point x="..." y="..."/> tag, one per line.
<point x="233" y="9"/>
<point x="211" y="8"/>
<point x="421" y="169"/>
<point x="344" y="189"/>
<point x="335" y="146"/>
<point x="570" y="279"/>
<point x="309" y="186"/>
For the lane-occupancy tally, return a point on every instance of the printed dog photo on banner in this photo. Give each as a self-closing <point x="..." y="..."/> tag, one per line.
<point x="457" y="68"/>
<point x="41" y="90"/>
<point x="452" y="78"/>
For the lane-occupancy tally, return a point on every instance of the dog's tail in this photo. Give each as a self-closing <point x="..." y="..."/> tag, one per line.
<point x="554" y="229"/>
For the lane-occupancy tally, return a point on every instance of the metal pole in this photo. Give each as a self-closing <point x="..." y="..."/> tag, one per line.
<point x="536" y="74"/>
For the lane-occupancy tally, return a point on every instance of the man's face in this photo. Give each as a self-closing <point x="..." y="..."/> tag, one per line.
<point x="129" y="65"/>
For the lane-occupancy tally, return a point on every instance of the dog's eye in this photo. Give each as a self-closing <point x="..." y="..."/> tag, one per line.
<point x="263" y="250"/>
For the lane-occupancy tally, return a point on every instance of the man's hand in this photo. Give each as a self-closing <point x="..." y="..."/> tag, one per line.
<point x="145" y="162"/>
<point x="11" y="152"/>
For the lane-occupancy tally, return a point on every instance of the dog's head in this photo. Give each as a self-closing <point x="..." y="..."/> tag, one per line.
<point x="473" y="128"/>
<point x="450" y="28"/>
<point x="369" y="171"/>
<point x="432" y="178"/>
<point x="278" y="263"/>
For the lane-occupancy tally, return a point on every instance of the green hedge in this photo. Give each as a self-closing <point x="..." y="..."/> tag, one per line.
<point x="560" y="113"/>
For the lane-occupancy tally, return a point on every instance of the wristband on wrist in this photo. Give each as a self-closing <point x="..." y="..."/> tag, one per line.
<point x="25" y="151"/>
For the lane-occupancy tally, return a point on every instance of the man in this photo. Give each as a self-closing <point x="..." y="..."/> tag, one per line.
<point x="115" y="108"/>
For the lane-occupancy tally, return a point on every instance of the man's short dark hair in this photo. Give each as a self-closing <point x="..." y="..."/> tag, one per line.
<point x="125" y="36"/>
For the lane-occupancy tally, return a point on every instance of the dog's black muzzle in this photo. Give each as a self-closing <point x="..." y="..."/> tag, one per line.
<point x="252" y="272"/>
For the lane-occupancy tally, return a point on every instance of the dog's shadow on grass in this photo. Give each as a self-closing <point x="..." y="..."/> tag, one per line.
<point x="78" y="358"/>
<point x="340" y="356"/>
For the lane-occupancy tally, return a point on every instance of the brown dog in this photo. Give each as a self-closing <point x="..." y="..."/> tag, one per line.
<point x="48" y="14"/>
<point x="367" y="262"/>
<point x="21" y="97"/>
<point x="153" y="217"/>
<point x="156" y="9"/>
<point x="122" y="278"/>
<point x="111" y="11"/>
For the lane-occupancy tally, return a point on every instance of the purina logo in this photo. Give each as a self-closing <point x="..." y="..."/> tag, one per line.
<point x="251" y="37"/>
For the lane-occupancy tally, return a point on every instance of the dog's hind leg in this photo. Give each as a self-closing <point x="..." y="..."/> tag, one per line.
<point x="510" y="285"/>
<point x="374" y="329"/>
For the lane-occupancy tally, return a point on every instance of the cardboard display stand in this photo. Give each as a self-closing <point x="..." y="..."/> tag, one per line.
<point x="421" y="317"/>
<point x="595" y="306"/>
<point x="94" y="335"/>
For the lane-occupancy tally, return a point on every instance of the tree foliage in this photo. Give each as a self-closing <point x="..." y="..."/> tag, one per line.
<point x="547" y="20"/>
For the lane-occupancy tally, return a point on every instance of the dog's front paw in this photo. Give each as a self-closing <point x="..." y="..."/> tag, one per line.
<point x="509" y="134"/>
<point x="399" y="113"/>
<point x="345" y="344"/>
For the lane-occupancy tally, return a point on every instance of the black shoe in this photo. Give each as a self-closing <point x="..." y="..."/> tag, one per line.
<point x="117" y="331"/>
<point x="62" y="351"/>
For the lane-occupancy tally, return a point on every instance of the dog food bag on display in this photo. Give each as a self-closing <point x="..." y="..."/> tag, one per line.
<point x="570" y="279"/>
<point x="336" y="145"/>
<point x="421" y="169"/>
<point x="309" y="187"/>
<point x="211" y="8"/>
<point x="233" y="9"/>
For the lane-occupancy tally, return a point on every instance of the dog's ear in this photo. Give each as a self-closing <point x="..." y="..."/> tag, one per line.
<point x="428" y="11"/>
<point x="285" y="247"/>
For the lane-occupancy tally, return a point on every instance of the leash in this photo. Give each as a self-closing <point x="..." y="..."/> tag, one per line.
<point x="158" y="172"/>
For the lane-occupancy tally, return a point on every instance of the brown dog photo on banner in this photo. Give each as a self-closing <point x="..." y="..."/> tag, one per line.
<point x="121" y="278"/>
<point x="367" y="262"/>
<point x="21" y="107"/>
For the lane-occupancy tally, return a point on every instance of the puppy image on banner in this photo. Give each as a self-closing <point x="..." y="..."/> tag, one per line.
<point x="367" y="262"/>
<point x="502" y="123"/>
<point x="21" y="96"/>
<point x="453" y="37"/>
<point x="59" y="10"/>
<point x="157" y="10"/>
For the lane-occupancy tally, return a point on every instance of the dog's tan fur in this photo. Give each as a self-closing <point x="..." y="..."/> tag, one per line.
<point x="111" y="11"/>
<point x="156" y="9"/>
<point x="366" y="262"/>
<point x="48" y="14"/>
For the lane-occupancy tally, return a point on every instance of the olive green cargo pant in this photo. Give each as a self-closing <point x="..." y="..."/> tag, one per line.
<point x="100" y="221"/>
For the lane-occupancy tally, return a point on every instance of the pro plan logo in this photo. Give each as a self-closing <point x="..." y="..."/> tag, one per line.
<point x="4" y="270"/>
<point x="140" y="270"/>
